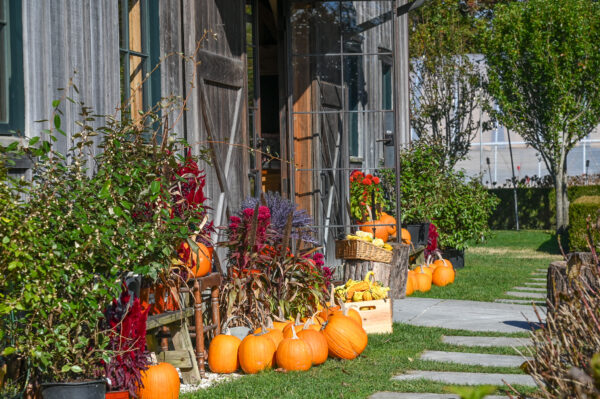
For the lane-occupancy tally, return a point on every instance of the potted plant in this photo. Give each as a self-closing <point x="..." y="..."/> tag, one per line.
<point x="86" y="222"/>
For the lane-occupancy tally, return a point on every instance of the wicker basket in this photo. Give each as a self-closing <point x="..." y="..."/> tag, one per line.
<point x="357" y="249"/>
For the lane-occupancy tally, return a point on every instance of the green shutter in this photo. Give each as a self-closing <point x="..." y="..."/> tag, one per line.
<point x="12" y="59"/>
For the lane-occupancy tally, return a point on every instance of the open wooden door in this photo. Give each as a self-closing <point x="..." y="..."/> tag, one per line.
<point x="220" y="101"/>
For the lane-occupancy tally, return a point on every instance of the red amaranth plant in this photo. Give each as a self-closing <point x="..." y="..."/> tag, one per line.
<point x="127" y="322"/>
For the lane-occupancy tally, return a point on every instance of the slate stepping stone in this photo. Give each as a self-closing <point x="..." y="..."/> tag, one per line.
<point x="521" y="301"/>
<point x="474" y="359"/>
<point x="458" y="378"/>
<point x="521" y="294"/>
<point x="535" y="284"/>
<point x="416" y="395"/>
<point x="530" y="289"/>
<point x="485" y="341"/>
<point x="538" y="279"/>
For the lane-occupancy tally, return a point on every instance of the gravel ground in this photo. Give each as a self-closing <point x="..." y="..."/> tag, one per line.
<point x="209" y="380"/>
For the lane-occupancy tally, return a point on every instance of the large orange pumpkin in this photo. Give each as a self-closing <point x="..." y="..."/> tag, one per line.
<point x="199" y="263"/>
<point x="318" y="345"/>
<point x="294" y="354"/>
<point x="351" y="313"/>
<point x="256" y="353"/>
<point x="160" y="381"/>
<point x="380" y="231"/>
<point x="223" y="353"/>
<point x="345" y="339"/>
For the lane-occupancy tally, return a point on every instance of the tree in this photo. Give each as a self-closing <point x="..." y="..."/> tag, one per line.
<point x="543" y="60"/>
<point x="446" y="78"/>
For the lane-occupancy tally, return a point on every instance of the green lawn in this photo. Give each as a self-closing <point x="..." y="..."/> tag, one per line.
<point x="385" y="356"/>
<point x="504" y="261"/>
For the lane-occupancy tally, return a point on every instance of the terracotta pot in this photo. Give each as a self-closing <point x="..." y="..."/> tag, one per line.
<point x="117" y="395"/>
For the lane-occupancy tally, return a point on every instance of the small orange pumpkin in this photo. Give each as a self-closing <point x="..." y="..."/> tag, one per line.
<point x="160" y="381"/>
<point x="388" y="219"/>
<point x="345" y="339"/>
<point x="442" y="262"/>
<point x="294" y="354"/>
<point x="256" y="353"/>
<point x="405" y="237"/>
<point x="199" y="263"/>
<point x="423" y="279"/>
<point x="318" y="345"/>
<point x="223" y="353"/>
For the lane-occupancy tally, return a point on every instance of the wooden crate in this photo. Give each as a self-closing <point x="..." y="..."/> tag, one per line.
<point x="377" y="320"/>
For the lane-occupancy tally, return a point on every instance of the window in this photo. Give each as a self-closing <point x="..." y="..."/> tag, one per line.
<point x="140" y="53"/>
<point x="11" y="68"/>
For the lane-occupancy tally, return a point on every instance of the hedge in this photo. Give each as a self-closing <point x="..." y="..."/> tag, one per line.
<point x="536" y="206"/>
<point x="579" y="210"/>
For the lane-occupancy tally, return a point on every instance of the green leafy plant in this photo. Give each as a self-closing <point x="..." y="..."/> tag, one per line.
<point x="458" y="206"/>
<point x="75" y="229"/>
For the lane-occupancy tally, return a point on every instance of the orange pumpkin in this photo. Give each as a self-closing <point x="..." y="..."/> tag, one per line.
<point x="318" y="345"/>
<point x="423" y="279"/>
<point x="409" y="285"/>
<point x="351" y="313"/>
<point x="388" y="219"/>
<point x="160" y="381"/>
<point x="442" y="262"/>
<point x="405" y="237"/>
<point x="345" y="339"/>
<point x="199" y="263"/>
<point x="289" y="331"/>
<point x="443" y="276"/>
<point x="380" y="231"/>
<point x="325" y="313"/>
<point x="256" y="353"/>
<point x="294" y="354"/>
<point x="280" y="325"/>
<point x="223" y="353"/>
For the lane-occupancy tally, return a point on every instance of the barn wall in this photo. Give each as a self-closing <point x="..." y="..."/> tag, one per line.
<point x="59" y="38"/>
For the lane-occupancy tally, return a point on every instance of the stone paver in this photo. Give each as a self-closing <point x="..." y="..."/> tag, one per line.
<point x="411" y="395"/>
<point x="464" y="315"/>
<point x="530" y="289"/>
<point x="485" y="341"/>
<point x="450" y="377"/>
<point x="535" y="284"/>
<point x="539" y="274"/>
<point x="474" y="359"/>
<point x="537" y="302"/>
<point x="538" y="279"/>
<point x="541" y="270"/>
<point x="521" y="294"/>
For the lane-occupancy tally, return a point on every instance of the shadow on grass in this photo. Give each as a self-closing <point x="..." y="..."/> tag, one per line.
<point x="550" y="246"/>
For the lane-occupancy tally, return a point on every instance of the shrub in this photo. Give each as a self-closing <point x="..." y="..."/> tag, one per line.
<point x="460" y="207"/>
<point x="87" y="221"/>
<point x="579" y="210"/>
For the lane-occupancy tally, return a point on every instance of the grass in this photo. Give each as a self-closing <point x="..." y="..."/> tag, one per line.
<point x="504" y="261"/>
<point x="385" y="356"/>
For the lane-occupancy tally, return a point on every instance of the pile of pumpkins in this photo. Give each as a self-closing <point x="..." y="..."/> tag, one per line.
<point x="291" y="346"/>
<point x="440" y="273"/>
<point x="385" y="233"/>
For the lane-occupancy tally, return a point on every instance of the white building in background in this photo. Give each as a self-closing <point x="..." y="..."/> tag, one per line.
<point x="493" y="145"/>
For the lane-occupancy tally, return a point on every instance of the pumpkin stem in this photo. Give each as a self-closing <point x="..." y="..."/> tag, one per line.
<point x="294" y="335"/>
<point x="306" y="324"/>
<point x="297" y="319"/>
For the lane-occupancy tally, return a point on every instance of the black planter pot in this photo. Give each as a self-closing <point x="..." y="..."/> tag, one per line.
<point x="419" y="233"/>
<point x="456" y="257"/>
<point x="74" y="390"/>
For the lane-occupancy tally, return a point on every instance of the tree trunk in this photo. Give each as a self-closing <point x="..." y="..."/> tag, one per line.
<point x="562" y="201"/>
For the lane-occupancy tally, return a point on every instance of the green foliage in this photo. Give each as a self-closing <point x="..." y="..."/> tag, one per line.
<point x="459" y="208"/>
<point x="543" y="60"/>
<point x="579" y="210"/>
<point x="537" y="206"/>
<point x="86" y="222"/>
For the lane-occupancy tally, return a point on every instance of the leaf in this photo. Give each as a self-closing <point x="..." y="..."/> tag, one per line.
<point x="155" y="187"/>
<point x="76" y="369"/>
<point x="55" y="103"/>
<point x="66" y="368"/>
<point x="8" y="351"/>
<point x="57" y="121"/>
<point x="33" y="140"/>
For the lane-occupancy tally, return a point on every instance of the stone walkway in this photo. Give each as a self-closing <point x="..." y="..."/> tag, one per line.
<point x="505" y="315"/>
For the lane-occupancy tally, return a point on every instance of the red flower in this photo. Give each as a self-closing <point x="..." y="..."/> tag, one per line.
<point x="376" y="180"/>
<point x="366" y="181"/>
<point x="369" y="176"/>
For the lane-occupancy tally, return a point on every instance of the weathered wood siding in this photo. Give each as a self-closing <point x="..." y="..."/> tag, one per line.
<point x="59" y="38"/>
